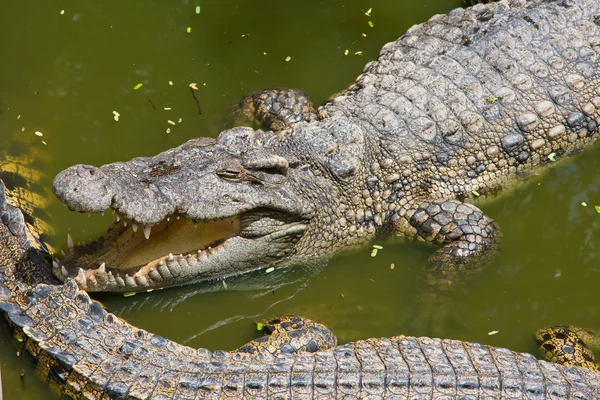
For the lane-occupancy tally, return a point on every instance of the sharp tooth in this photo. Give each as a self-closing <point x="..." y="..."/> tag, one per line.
<point x="63" y="253"/>
<point x="91" y="281"/>
<point x="80" y="278"/>
<point x="134" y="227"/>
<point x="64" y="271"/>
<point x="125" y="223"/>
<point x="147" y="231"/>
<point x="70" y="243"/>
<point x="102" y="268"/>
<point x="161" y="262"/>
<point x="168" y="219"/>
<point x="178" y="218"/>
<point x="171" y="258"/>
<point x="118" y="218"/>
<point x="55" y="264"/>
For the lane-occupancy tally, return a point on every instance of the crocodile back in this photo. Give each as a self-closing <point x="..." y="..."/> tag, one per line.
<point x="467" y="100"/>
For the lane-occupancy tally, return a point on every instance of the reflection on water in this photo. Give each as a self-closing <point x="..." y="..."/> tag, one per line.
<point x="65" y="73"/>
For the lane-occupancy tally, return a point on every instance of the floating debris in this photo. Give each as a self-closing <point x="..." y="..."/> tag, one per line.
<point x="170" y="83"/>
<point x="128" y="294"/>
<point x="180" y="120"/>
<point x="270" y="269"/>
<point x="346" y="52"/>
<point x="189" y="29"/>
<point x="492" y="100"/>
<point x="170" y="122"/>
<point x="358" y="53"/>
<point x="364" y="35"/>
<point x="167" y="108"/>
<point x="194" y="85"/>
<point x="368" y="13"/>
<point x="476" y="193"/>
<point x="18" y="117"/>
<point x="371" y="24"/>
<point x="392" y="266"/>
<point x="378" y="247"/>
<point x="492" y="333"/>
<point x="168" y="130"/>
<point x="149" y="290"/>
<point x="551" y="156"/>
<point x="139" y="85"/>
<point x="597" y="209"/>
<point x="288" y="58"/>
<point x="583" y="203"/>
<point x="259" y="326"/>
<point x="38" y="133"/>
<point x="116" y="115"/>
<point x="62" y="12"/>
<point x="224" y="284"/>
<point x="374" y="253"/>
<point x="197" y="9"/>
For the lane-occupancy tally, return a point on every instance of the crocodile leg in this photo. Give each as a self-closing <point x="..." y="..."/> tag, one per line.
<point x="468" y="236"/>
<point x="568" y="345"/>
<point x="273" y="109"/>
<point x="291" y="334"/>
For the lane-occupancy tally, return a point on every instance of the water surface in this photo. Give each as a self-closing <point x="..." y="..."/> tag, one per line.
<point x="66" y="72"/>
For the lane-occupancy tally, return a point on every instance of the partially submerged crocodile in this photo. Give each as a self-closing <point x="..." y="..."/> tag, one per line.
<point x="460" y="106"/>
<point x="91" y="353"/>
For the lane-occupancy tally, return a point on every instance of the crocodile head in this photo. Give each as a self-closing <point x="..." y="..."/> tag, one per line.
<point x="208" y="209"/>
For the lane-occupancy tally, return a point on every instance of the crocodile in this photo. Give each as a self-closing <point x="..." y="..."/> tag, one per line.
<point x="457" y="109"/>
<point x="89" y="353"/>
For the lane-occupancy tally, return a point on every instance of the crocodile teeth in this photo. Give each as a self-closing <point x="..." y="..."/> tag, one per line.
<point x="171" y="258"/>
<point x="70" y="243"/>
<point x="91" y="281"/>
<point x="147" y="231"/>
<point x="118" y="218"/>
<point x="55" y="264"/>
<point x="80" y="278"/>
<point x="64" y="271"/>
<point x="102" y="268"/>
<point x="63" y="253"/>
<point x="134" y="227"/>
<point x="125" y="224"/>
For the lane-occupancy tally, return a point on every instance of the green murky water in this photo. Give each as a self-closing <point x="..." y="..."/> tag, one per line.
<point x="66" y="72"/>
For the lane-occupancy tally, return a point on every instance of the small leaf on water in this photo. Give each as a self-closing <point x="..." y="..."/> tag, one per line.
<point x="346" y="52"/>
<point x="197" y="9"/>
<point x="378" y="247"/>
<point x="288" y="58"/>
<point x="371" y="24"/>
<point x="492" y="333"/>
<point x="551" y="156"/>
<point x="259" y="327"/>
<point x="189" y="29"/>
<point x="476" y="193"/>
<point x="128" y="294"/>
<point x="597" y="209"/>
<point x="170" y="122"/>
<point x="139" y="85"/>
<point x="270" y="269"/>
<point x="368" y="13"/>
<point x="374" y="253"/>
<point x="583" y="203"/>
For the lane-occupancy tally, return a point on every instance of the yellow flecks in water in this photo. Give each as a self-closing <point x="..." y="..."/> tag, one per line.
<point x="139" y="85"/>
<point x="194" y="85"/>
<point x="189" y="29"/>
<point x="270" y="269"/>
<point x="492" y="333"/>
<point x="368" y="13"/>
<point x="358" y="53"/>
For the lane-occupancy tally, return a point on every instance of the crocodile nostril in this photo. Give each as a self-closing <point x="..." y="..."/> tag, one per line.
<point x="88" y="171"/>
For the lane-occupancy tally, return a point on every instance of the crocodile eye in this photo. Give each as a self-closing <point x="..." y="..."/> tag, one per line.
<point x="229" y="174"/>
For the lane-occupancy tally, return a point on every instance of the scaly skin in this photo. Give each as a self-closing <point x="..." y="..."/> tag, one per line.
<point x="466" y="103"/>
<point x="92" y="354"/>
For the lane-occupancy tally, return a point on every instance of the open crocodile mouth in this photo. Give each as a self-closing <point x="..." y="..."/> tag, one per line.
<point x="175" y="251"/>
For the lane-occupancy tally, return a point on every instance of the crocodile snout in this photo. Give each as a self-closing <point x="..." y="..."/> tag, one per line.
<point x="83" y="188"/>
